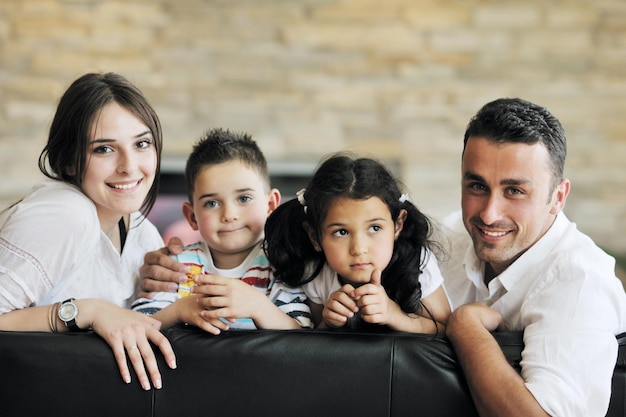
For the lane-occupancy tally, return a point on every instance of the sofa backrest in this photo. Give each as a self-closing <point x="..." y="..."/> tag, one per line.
<point x="617" y="407"/>
<point x="252" y="373"/>
<point x="307" y="373"/>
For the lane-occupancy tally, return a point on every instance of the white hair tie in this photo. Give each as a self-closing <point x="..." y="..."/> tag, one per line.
<point x="301" y="200"/>
<point x="404" y="198"/>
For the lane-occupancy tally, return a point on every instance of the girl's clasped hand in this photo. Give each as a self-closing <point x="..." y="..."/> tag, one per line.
<point x="370" y="301"/>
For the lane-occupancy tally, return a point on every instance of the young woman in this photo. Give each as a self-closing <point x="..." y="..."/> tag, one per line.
<point x="70" y="250"/>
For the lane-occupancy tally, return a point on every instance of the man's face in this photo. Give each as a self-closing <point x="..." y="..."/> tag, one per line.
<point x="506" y="198"/>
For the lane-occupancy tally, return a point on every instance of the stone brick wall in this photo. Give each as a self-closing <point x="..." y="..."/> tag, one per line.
<point x="393" y="79"/>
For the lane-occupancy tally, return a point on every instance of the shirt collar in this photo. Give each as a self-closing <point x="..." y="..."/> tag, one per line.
<point x="474" y="267"/>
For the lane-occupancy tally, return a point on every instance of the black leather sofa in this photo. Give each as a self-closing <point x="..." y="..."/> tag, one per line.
<point x="251" y="373"/>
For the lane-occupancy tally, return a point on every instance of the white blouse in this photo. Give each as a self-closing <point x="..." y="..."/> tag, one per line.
<point x="52" y="248"/>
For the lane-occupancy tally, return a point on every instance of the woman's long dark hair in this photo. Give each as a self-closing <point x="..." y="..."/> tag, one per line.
<point x="291" y="252"/>
<point x="64" y="158"/>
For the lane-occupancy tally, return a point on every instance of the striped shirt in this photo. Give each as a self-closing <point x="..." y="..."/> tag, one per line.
<point x="255" y="270"/>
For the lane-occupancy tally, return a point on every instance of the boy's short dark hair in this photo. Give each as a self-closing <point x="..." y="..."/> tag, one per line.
<point x="217" y="146"/>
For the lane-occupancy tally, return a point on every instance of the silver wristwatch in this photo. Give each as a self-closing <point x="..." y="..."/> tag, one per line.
<point x="68" y="313"/>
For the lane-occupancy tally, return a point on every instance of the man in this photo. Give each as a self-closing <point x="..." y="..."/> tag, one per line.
<point x="520" y="264"/>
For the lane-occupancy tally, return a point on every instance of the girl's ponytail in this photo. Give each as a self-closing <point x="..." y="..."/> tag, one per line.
<point x="401" y="277"/>
<point x="287" y="244"/>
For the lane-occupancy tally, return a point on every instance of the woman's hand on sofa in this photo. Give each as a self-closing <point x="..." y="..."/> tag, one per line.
<point x="129" y="334"/>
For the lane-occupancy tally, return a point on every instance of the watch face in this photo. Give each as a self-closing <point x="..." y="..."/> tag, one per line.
<point x="67" y="311"/>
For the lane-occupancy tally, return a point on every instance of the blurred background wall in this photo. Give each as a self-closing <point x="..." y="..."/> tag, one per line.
<point x="394" y="79"/>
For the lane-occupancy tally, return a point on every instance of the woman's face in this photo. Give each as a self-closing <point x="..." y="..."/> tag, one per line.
<point x="121" y="164"/>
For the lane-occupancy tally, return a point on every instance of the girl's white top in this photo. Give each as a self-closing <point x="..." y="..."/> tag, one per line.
<point x="327" y="282"/>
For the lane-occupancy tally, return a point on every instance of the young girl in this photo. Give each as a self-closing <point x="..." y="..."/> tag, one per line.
<point x="360" y="250"/>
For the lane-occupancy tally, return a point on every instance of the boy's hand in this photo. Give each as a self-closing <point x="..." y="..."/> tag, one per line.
<point x="228" y="298"/>
<point x="340" y="307"/>
<point x="190" y="311"/>
<point x="375" y="305"/>
<point x="160" y="272"/>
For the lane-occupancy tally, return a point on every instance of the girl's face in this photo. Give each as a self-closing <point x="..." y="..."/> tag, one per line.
<point x="357" y="237"/>
<point x="121" y="164"/>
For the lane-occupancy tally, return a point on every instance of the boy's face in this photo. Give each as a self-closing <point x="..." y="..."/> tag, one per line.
<point x="230" y="206"/>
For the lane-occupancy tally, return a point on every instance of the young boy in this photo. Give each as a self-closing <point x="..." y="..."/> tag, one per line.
<point x="231" y="285"/>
